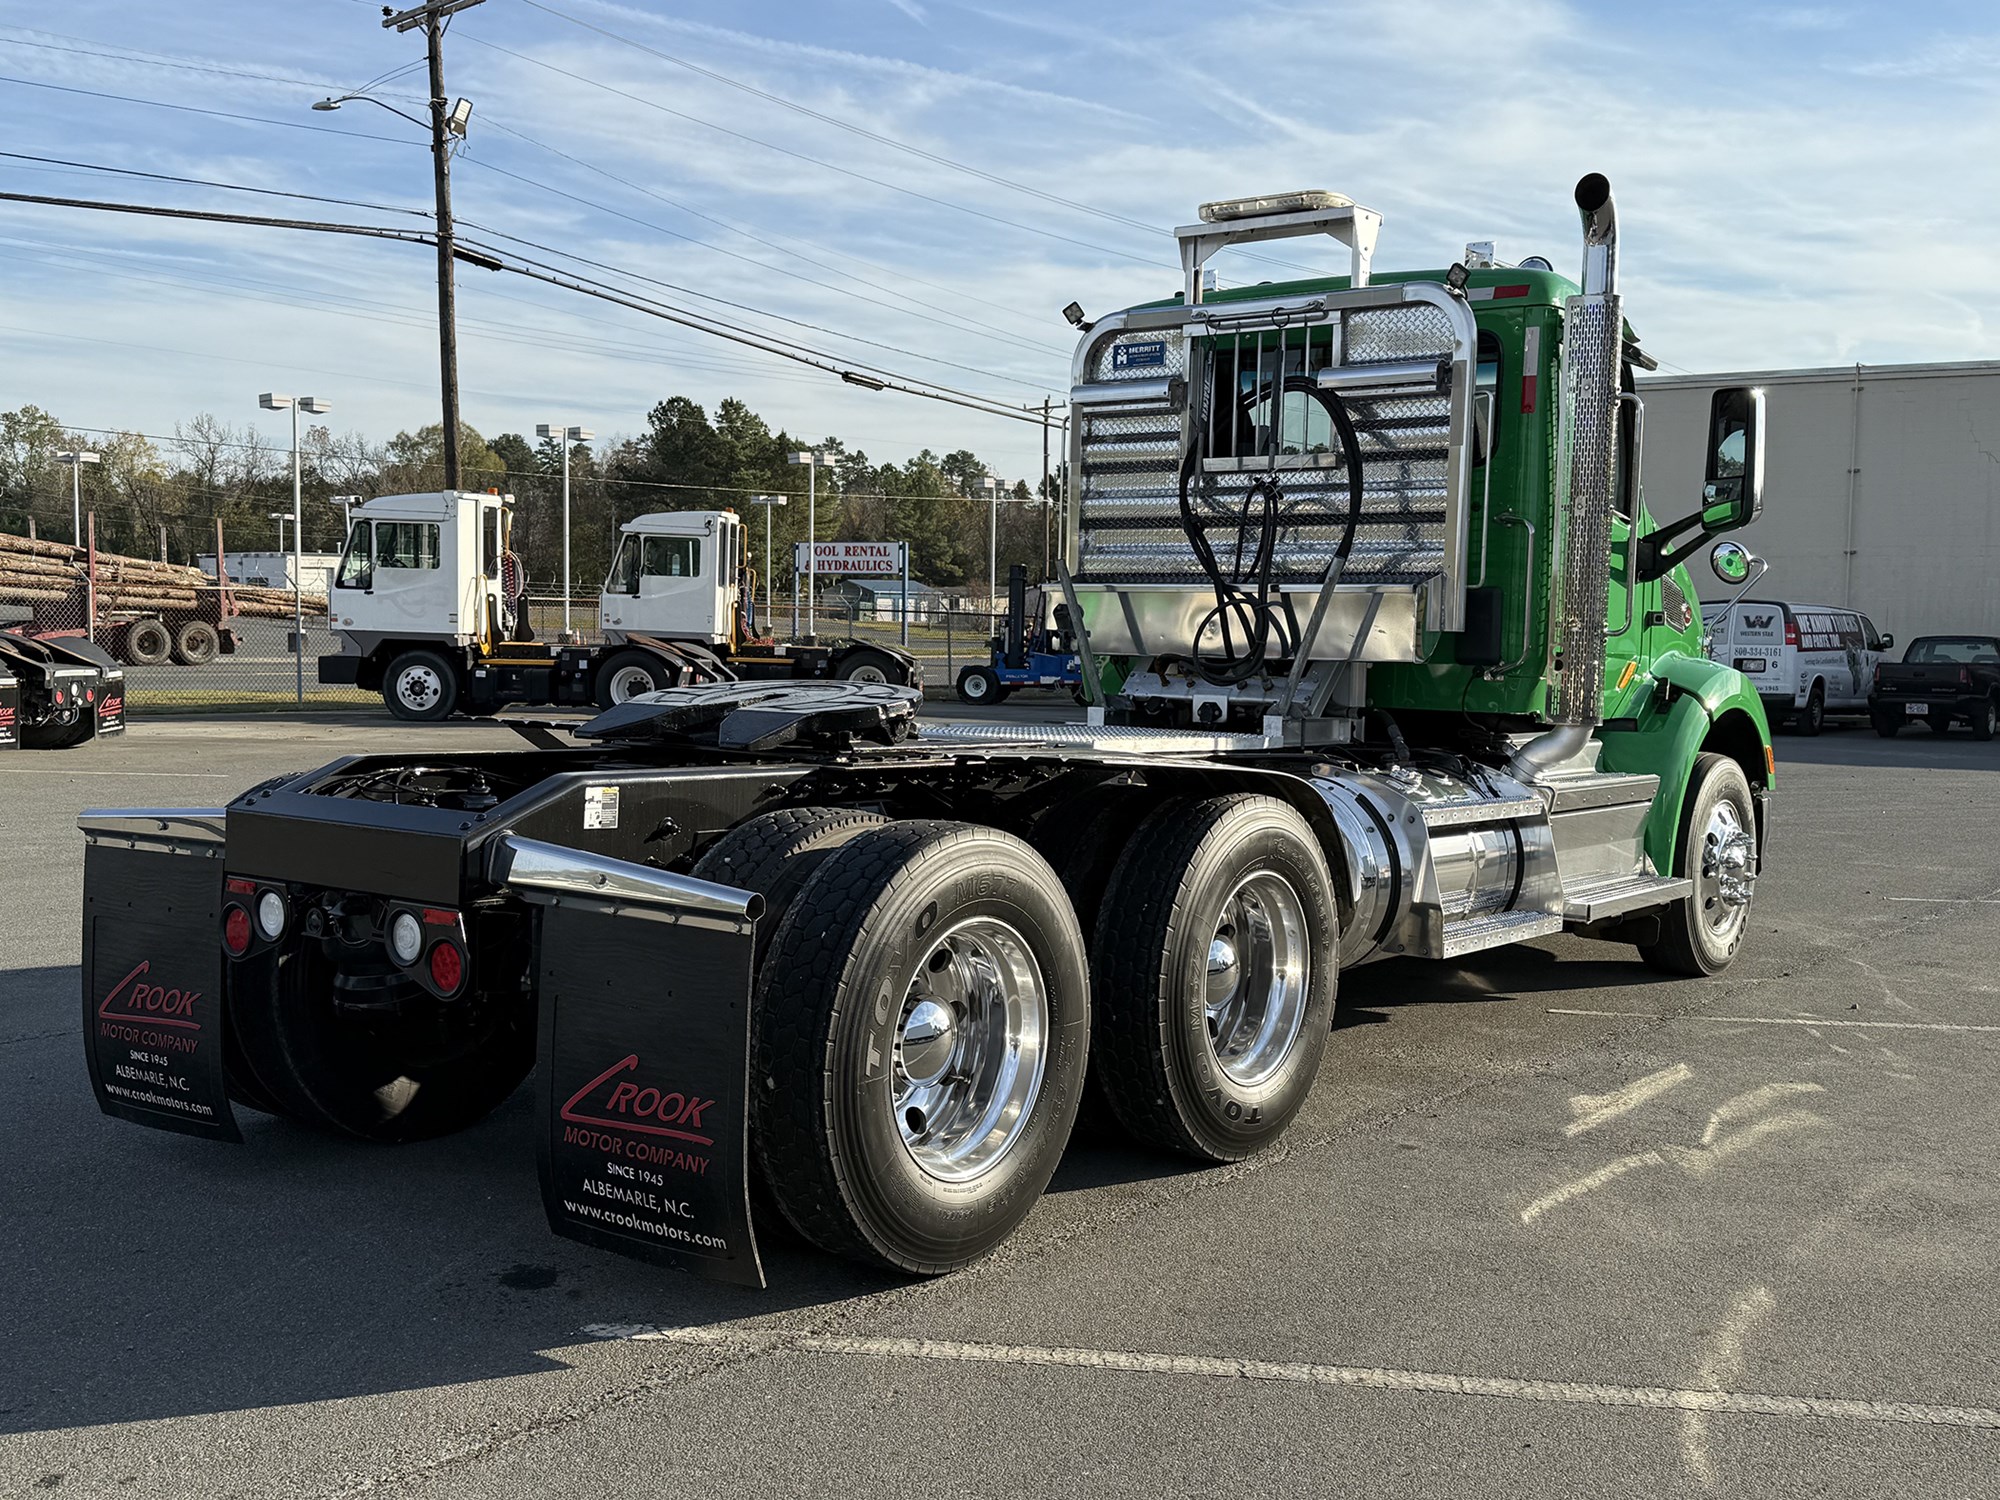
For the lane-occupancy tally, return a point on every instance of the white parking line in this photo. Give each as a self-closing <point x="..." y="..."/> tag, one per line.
<point x="60" y="771"/>
<point x="1950" y="900"/>
<point x="1620" y="1015"/>
<point x="1571" y="1392"/>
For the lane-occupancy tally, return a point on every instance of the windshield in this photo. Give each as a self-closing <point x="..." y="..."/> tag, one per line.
<point x="1971" y="650"/>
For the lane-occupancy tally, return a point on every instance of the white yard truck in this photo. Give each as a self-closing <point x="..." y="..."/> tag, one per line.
<point x="428" y="606"/>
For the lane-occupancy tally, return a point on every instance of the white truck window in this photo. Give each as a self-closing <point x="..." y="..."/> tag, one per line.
<point x="354" y="561"/>
<point x="406" y="544"/>
<point x="671" y="557"/>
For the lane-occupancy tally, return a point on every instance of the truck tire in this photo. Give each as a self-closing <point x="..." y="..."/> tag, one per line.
<point x="196" y="643"/>
<point x="775" y="853"/>
<point x="148" y="642"/>
<point x="628" y="673"/>
<point x="1886" y="724"/>
<point x="870" y="665"/>
<point x="1214" y="966"/>
<point x="921" y="1032"/>
<point x="1717" y="850"/>
<point x="1984" y="717"/>
<point x="1939" y="720"/>
<point x="978" y="685"/>
<point x="1811" y="719"/>
<point x="327" y="1072"/>
<point x="421" y="687"/>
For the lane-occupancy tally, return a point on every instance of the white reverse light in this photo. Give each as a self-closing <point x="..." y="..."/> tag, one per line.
<point x="406" y="937"/>
<point x="270" y="914"/>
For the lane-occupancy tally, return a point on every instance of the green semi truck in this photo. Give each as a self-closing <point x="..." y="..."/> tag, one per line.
<point x="1414" y="670"/>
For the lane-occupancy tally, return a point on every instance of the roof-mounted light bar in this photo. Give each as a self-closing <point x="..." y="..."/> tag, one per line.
<point x="1306" y="200"/>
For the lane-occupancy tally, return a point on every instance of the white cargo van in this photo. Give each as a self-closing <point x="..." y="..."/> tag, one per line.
<point x="1808" y="661"/>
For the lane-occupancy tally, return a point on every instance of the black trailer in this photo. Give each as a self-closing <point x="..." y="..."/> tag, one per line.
<point x="57" y="692"/>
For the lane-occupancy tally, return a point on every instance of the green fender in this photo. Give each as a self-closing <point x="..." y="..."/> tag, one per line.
<point x="1688" y="705"/>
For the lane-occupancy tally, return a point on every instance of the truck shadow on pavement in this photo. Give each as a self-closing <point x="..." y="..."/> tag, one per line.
<point x="151" y="1275"/>
<point x="1370" y="995"/>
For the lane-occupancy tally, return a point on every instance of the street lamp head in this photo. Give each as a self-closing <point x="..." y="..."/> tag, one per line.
<point x="767" y="500"/>
<point x="271" y="401"/>
<point x="77" y="458"/>
<point x="459" y="118"/>
<point x="316" y="405"/>
<point x="805" y="458"/>
<point x="989" y="484"/>
<point x="578" y="434"/>
<point x="329" y="105"/>
<point x="545" y="429"/>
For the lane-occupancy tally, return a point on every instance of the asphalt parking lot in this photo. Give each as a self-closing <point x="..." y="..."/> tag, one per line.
<point x="1552" y="1226"/>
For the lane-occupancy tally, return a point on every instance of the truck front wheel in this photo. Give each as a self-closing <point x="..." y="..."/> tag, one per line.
<point x="420" y="686"/>
<point x="921" y="1030"/>
<point x="979" y="685"/>
<point x="1214" y="969"/>
<point x="1700" y="933"/>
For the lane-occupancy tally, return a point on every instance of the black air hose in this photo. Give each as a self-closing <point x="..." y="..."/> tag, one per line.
<point x="1258" y="613"/>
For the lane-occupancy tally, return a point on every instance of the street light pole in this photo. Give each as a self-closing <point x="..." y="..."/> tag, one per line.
<point x="76" y="461"/>
<point x="812" y="461"/>
<point x="271" y="401"/>
<point x="770" y="558"/>
<point x="566" y="436"/>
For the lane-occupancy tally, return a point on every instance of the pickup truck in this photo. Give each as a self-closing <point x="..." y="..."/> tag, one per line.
<point x="1942" y="679"/>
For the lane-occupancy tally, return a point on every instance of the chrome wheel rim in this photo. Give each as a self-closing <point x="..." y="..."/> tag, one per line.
<point x="419" y="687"/>
<point x="1726" y="878"/>
<point x="868" y="673"/>
<point x="970" y="1050"/>
<point x="1257" y="979"/>
<point x="628" y="683"/>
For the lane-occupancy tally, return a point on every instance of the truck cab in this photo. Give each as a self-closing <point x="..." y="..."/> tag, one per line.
<point x="677" y="575"/>
<point x="425" y="566"/>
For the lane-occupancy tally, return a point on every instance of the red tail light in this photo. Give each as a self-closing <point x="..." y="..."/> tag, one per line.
<point x="1965" y="677"/>
<point x="1791" y="633"/>
<point x="447" y="967"/>
<point x="236" y="931"/>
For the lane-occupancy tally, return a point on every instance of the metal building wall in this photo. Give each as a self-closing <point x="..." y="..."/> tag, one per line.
<point x="1882" y="487"/>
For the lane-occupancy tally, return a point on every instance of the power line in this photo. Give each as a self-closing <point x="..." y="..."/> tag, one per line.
<point x="220" y="114"/>
<point x="366" y="231"/>
<point x="234" y="187"/>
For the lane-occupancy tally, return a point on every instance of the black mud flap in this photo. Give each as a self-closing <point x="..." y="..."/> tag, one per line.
<point x="10" y="710"/>
<point x="644" y="988"/>
<point x="152" y="969"/>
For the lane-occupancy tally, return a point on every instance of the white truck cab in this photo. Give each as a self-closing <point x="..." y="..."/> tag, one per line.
<point x="676" y="576"/>
<point x="426" y="566"/>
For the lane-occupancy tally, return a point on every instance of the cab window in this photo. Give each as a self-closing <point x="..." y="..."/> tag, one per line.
<point x="354" y="572"/>
<point x="672" y="557"/>
<point x="624" y="577"/>
<point x="406" y="544"/>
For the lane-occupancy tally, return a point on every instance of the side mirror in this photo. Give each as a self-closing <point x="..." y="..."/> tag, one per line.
<point x="1888" y="640"/>
<point x="1732" y="493"/>
<point x="1730" y="562"/>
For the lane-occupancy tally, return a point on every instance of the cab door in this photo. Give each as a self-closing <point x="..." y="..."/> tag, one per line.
<point x="676" y="588"/>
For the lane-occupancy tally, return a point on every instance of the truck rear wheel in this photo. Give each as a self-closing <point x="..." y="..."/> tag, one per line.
<point x="196" y="644"/>
<point x="628" y="674"/>
<point x="1985" y="718"/>
<point x="922" y="1027"/>
<point x="775" y="853"/>
<point x="870" y="665"/>
<point x="1886" y="723"/>
<point x="1214" y="967"/>
<point x="1811" y="719"/>
<point x="383" y="1080"/>
<point x="1700" y="933"/>
<point x="420" y="686"/>
<point x="148" y="642"/>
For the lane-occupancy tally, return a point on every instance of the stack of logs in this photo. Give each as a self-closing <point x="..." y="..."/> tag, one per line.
<point x="42" y="572"/>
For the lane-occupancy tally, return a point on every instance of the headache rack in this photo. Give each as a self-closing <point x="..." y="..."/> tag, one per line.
<point x="1227" y="382"/>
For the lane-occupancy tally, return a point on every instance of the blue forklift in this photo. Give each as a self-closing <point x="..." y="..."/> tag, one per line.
<point x="1044" y="656"/>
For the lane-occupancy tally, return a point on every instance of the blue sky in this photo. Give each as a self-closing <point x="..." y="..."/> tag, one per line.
<point x="1798" y="185"/>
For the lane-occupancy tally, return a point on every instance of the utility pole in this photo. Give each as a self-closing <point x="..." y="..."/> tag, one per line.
<point x="431" y="16"/>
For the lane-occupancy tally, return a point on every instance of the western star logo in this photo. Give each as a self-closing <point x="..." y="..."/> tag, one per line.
<point x="132" y="1000"/>
<point x="621" y="1104"/>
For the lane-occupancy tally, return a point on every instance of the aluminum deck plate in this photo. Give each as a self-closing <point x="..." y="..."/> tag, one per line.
<point x="1108" y="739"/>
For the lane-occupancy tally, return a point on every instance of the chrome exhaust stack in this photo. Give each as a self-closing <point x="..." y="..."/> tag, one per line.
<point x="1593" y="337"/>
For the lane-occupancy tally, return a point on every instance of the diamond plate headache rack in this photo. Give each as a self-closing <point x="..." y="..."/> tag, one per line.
<point x="762" y="716"/>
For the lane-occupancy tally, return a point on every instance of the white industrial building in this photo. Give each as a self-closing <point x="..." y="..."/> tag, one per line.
<point x="1881" y="488"/>
<point x="274" y="569"/>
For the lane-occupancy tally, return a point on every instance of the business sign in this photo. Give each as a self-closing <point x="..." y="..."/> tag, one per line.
<point x="852" y="559"/>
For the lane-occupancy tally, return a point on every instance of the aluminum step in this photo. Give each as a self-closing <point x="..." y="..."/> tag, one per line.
<point x="1595" y="900"/>
<point x="1457" y="814"/>
<point x="1496" y="930"/>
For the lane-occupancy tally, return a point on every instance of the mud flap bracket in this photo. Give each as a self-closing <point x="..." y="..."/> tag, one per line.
<point x="643" y="984"/>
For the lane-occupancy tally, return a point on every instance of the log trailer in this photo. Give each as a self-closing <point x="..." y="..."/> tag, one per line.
<point x="428" y="606"/>
<point x="57" y="692"/>
<point x="1422" y="676"/>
